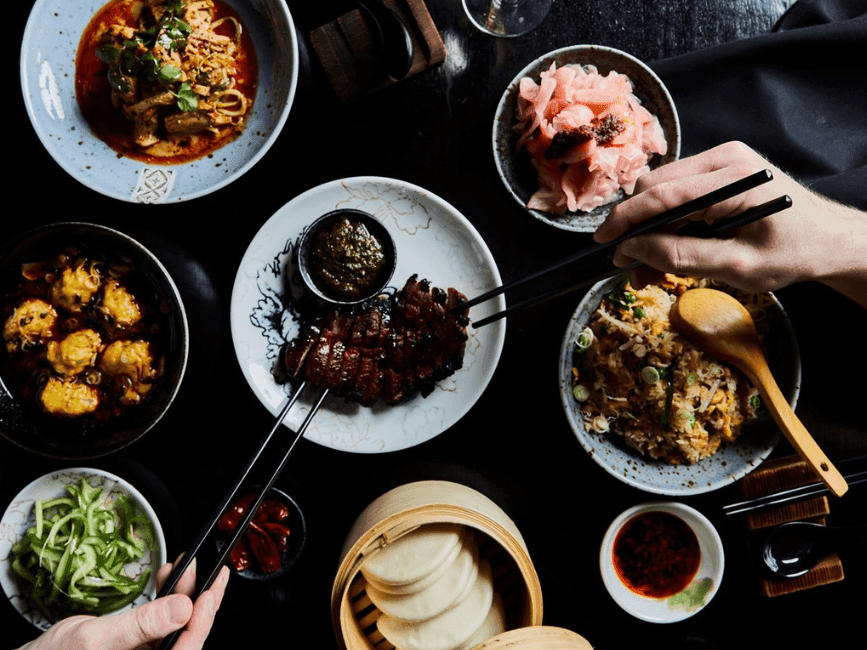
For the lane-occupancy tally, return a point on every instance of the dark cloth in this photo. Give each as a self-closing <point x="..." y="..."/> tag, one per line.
<point x="798" y="95"/>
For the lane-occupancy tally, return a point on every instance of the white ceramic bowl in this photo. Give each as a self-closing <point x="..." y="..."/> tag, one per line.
<point x="19" y="517"/>
<point x="514" y="167"/>
<point x="695" y="596"/>
<point x="48" y="52"/>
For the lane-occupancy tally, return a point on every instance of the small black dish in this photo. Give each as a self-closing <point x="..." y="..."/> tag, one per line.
<point x="297" y="537"/>
<point x="374" y="280"/>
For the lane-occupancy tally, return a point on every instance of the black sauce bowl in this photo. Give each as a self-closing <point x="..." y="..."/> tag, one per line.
<point x="326" y="222"/>
<point x="22" y="421"/>
<point x="297" y="525"/>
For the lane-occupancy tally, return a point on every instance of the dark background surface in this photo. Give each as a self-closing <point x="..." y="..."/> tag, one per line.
<point x="515" y="445"/>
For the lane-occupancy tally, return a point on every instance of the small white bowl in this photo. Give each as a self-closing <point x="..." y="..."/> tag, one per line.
<point x="19" y="517"/>
<point x="695" y="596"/>
<point x="646" y="86"/>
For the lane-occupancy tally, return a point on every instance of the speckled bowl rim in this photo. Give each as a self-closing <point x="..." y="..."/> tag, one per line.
<point x="47" y="73"/>
<point x="730" y="463"/>
<point x="54" y="483"/>
<point x="659" y="610"/>
<point x="646" y="84"/>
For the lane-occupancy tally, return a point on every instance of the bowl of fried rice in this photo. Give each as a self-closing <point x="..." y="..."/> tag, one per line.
<point x="651" y="408"/>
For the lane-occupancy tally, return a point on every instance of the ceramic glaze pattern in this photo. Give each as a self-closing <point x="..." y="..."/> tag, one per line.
<point x="19" y="517"/>
<point x="154" y="185"/>
<point x="434" y="241"/>
<point x="48" y="54"/>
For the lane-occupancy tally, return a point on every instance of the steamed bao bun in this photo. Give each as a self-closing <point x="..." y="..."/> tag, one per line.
<point x="433" y="590"/>
<point x="449" y="587"/>
<point x="413" y="557"/>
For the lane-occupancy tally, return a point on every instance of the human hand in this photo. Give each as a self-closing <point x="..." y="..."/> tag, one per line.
<point x="143" y="627"/>
<point x="815" y="239"/>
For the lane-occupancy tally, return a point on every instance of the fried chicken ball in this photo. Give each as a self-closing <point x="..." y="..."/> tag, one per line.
<point x="32" y="322"/>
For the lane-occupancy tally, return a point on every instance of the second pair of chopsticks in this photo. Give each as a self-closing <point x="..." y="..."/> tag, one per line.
<point x="231" y="496"/>
<point x="650" y="225"/>
<point x="792" y="494"/>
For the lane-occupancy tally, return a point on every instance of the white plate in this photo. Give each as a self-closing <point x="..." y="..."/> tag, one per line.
<point x="730" y="463"/>
<point x="685" y="603"/>
<point x="434" y="241"/>
<point x="19" y="518"/>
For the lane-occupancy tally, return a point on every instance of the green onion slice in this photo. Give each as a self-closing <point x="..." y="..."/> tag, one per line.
<point x="580" y="393"/>
<point x="585" y="339"/>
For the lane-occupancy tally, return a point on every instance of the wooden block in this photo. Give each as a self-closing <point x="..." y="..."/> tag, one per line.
<point x="349" y="52"/>
<point x="775" y="476"/>
<point x="434" y="50"/>
<point x="800" y="510"/>
<point x="826" y="572"/>
<point x="330" y="46"/>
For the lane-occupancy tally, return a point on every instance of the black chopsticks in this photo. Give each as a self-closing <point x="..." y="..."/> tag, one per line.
<point x="694" y="229"/>
<point x="655" y="223"/>
<point x="230" y="497"/>
<point x="786" y="496"/>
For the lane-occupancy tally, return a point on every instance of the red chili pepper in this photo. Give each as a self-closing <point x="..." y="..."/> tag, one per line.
<point x="264" y="549"/>
<point x="230" y="519"/>
<point x="264" y="539"/>
<point x="239" y="558"/>
<point x="274" y="511"/>
<point x="278" y="532"/>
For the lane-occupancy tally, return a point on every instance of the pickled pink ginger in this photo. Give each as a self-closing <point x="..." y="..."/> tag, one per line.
<point x="588" y="136"/>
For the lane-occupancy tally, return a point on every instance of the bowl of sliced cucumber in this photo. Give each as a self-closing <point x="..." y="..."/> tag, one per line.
<point x="79" y="541"/>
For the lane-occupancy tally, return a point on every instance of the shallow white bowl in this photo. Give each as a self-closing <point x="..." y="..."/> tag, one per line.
<point x="19" y="517"/>
<point x="48" y="52"/>
<point x="514" y="168"/>
<point x="695" y="596"/>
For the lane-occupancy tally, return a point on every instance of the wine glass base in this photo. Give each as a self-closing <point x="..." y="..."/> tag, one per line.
<point x="506" y="18"/>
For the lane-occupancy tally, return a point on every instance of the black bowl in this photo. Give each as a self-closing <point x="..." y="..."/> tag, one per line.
<point x="298" y="535"/>
<point x="325" y="223"/>
<point x="22" y="421"/>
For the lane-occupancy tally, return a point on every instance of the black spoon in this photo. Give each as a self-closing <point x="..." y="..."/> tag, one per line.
<point x="394" y="38"/>
<point x="794" y="548"/>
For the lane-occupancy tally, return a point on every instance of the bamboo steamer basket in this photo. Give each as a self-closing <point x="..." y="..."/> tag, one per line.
<point x="408" y="507"/>
<point x="537" y="638"/>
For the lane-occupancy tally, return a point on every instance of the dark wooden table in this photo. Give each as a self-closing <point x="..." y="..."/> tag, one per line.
<point x="515" y="444"/>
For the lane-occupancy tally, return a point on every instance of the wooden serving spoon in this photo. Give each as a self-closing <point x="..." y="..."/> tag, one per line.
<point x="717" y="322"/>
